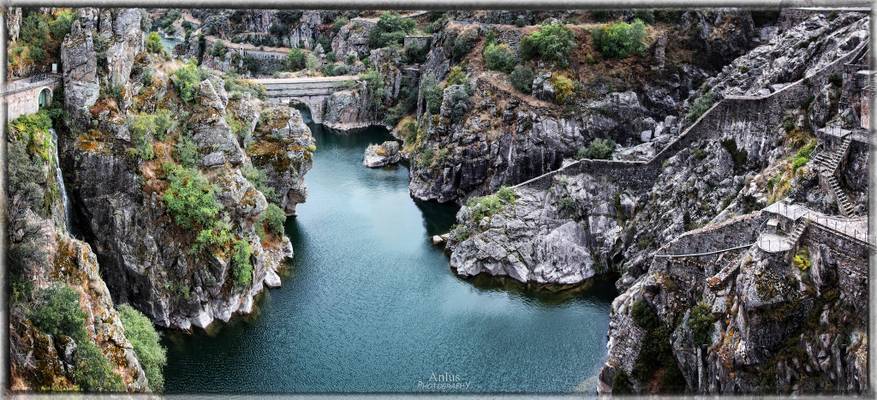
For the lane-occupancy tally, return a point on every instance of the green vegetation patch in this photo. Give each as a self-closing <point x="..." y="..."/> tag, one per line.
<point x="656" y="358"/>
<point x="522" y="79"/>
<point x="187" y="79"/>
<point x="189" y="198"/>
<point x="145" y="340"/>
<point x="701" y="321"/>
<point x="390" y="30"/>
<point x="242" y="267"/>
<point x="486" y="206"/>
<point x="599" y="149"/>
<point x="700" y="106"/>
<point x="801" y="260"/>
<point x="499" y="57"/>
<point x="551" y="42"/>
<point x="620" y="39"/>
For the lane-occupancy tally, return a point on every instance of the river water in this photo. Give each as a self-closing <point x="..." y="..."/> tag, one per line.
<point x="369" y="305"/>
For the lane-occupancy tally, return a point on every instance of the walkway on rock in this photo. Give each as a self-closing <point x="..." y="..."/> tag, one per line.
<point x="757" y="112"/>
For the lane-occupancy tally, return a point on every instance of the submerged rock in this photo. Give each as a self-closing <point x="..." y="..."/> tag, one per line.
<point x="380" y="155"/>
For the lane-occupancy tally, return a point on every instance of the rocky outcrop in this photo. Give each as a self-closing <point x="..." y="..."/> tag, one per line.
<point x="282" y="147"/>
<point x="147" y="258"/>
<point x="43" y="255"/>
<point x="352" y="39"/>
<point x="381" y="155"/>
<point x="543" y="237"/>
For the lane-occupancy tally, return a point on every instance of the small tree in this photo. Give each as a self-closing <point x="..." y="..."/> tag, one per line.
<point x="522" y="79"/>
<point x="144" y="339"/>
<point x="563" y="88"/>
<point x="620" y="39"/>
<point x="499" y="57"/>
<point x="57" y="312"/>
<point x="274" y="218"/>
<point x="599" y="149"/>
<point x="242" y="267"/>
<point x="153" y="43"/>
<point x="186" y="79"/>
<point x="390" y="30"/>
<point x="552" y="42"/>
<point x="296" y="60"/>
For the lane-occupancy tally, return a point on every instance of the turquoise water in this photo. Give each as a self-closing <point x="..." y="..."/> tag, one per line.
<point x="371" y="306"/>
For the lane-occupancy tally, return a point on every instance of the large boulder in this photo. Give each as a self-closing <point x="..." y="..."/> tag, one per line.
<point x="380" y="155"/>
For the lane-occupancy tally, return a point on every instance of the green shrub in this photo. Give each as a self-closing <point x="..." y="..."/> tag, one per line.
<point x="801" y="260"/>
<point x="463" y="43"/>
<point x="499" y="57"/>
<point x="186" y="152"/>
<point x="219" y="50"/>
<point x="620" y="39"/>
<point x="432" y="94"/>
<point x="274" y="218"/>
<point x="701" y="322"/>
<point x="187" y="79"/>
<point x="374" y="82"/>
<point x="242" y="267"/>
<point x="93" y="372"/>
<point x="598" y="149"/>
<point x="189" y="198"/>
<point x="802" y="156"/>
<point x="164" y="123"/>
<point x="552" y="42"/>
<point x="258" y="178"/>
<point x="486" y="206"/>
<point x="390" y="30"/>
<point x="147" y="346"/>
<point x="457" y="76"/>
<point x="153" y="43"/>
<point x="564" y="88"/>
<point x="142" y="128"/>
<point x="522" y="79"/>
<point x="236" y="87"/>
<point x="33" y="129"/>
<point x="39" y="39"/>
<point x="214" y="237"/>
<point x="58" y="313"/>
<point x="700" y="106"/>
<point x="339" y="23"/>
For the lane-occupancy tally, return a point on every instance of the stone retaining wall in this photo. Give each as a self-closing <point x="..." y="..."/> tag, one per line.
<point x="759" y="113"/>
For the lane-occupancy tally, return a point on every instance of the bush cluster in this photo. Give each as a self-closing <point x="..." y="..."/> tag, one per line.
<point x="187" y="79"/>
<point x="701" y="322"/>
<point x="145" y="340"/>
<point x="463" y="43"/>
<point x="390" y="30"/>
<point x="57" y="311"/>
<point x="499" y="57"/>
<point x="522" y="79"/>
<point x="487" y="206"/>
<point x="599" y="149"/>
<point x="242" y="267"/>
<point x="620" y="39"/>
<point x="564" y="88"/>
<point x="189" y="197"/>
<point x="552" y="42"/>
<point x="153" y="43"/>
<point x="699" y="106"/>
<point x="296" y="60"/>
<point x="39" y="38"/>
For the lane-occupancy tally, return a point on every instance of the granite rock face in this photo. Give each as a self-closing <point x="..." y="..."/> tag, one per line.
<point x="381" y="155"/>
<point x="43" y="255"/>
<point x="146" y="258"/>
<point x="282" y="147"/>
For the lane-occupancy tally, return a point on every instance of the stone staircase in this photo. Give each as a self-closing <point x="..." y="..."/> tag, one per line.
<point x="827" y="164"/>
<point x="800" y="227"/>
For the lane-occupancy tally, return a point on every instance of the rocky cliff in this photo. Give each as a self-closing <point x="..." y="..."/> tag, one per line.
<point x="747" y="318"/>
<point x="171" y="201"/>
<point x="64" y="331"/>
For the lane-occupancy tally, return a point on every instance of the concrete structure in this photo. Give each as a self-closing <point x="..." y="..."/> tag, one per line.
<point x="28" y="95"/>
<point x="311" y="92"/>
